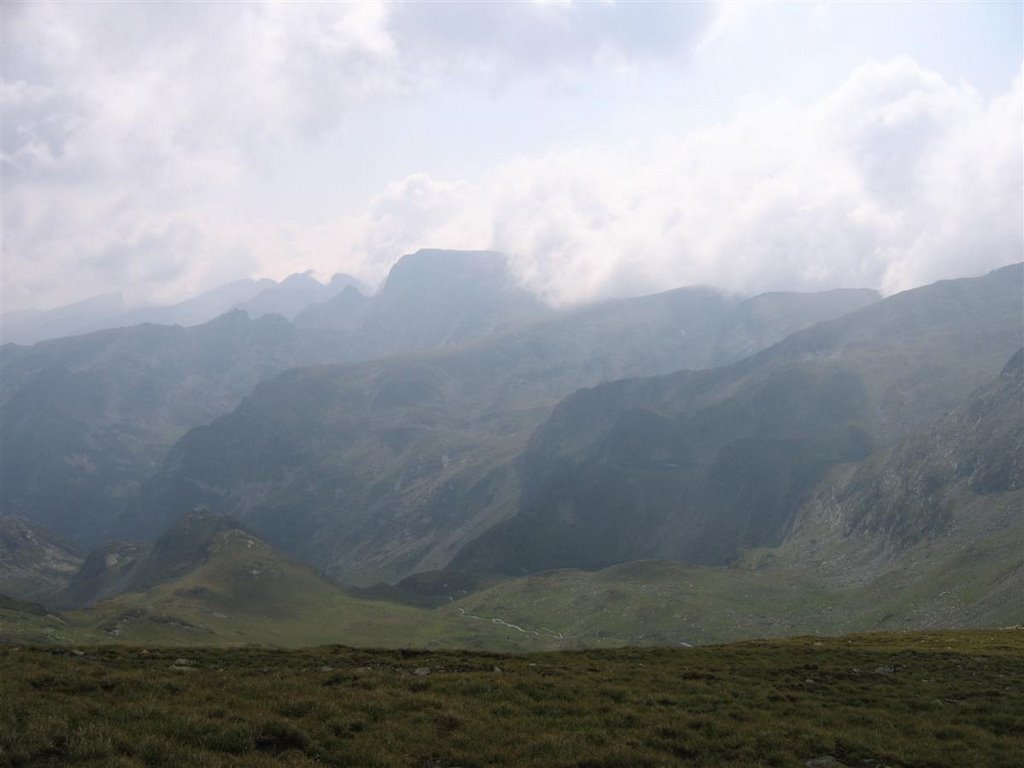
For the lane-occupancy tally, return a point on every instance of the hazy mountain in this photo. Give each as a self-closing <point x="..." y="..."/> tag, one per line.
<point x="377" y="470"/>
<point x="85" y="419"/>
<point x="287" y="298"/>
<point x="696" y="466"/>
<point x="430" y="298"/>
<point x="194" y="311"/>
<point x="257" y="297"/>
<point x="31" y="327"/>
<point x="34" y="563"/>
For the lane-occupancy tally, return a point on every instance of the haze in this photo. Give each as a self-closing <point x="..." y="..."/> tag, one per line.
<point x="608" y="148"/>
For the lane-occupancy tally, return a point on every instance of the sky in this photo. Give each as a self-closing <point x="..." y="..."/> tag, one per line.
<point x="610" y="149"/>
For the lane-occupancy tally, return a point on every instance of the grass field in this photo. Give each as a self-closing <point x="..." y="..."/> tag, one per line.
<point x="916" y="699"/>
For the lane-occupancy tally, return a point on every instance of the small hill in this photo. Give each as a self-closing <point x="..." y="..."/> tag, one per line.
<point x="208" y="581"/>
<point x="34" y="563"/>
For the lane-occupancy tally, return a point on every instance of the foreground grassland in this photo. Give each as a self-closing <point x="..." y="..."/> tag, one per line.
<point x="916" y="699"/>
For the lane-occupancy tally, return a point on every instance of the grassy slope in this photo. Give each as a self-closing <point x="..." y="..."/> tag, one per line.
<point x="936" y="584"/>
<point x="247" y="594"/>
<point x="940" y="699"/>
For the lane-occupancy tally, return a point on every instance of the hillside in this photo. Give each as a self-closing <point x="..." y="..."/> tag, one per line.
<point x="207" y="581"/>
<point x="86" y="419"/>
<point x="34" y="564"/>
<point x="697" y="466"/>
<point x="374" y="471"/>
<point x="922" y="534"/>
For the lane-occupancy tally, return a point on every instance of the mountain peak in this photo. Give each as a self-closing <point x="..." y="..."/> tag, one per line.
<point x="431" y="268"/>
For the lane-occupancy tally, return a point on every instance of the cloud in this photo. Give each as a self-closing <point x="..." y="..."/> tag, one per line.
<point x="895" y="179"/>
<point x="140" y="143"/>
<point x="129" y="118"/>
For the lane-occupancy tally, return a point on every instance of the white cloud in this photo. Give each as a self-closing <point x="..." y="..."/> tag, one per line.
<point x="136" y="137"/>
<point x="895" y="179"/>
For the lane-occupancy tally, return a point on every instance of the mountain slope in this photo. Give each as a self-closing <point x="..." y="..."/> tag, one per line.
<point x="31" y="327"/>
<point x="206" y="581"/>
<point x="924" y="534"/>
<point x="34" y="564"/>
<point x="86" y="419"/>
<point x="937" y="516"/>
<point x="696" y="466"/>
<point x="377" y="470"/>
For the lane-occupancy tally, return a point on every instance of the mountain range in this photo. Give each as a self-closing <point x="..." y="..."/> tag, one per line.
<point x="690" y="466"/>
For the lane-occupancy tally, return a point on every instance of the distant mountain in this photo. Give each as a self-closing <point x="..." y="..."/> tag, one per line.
<point x="34" y="563"/>
<point x="31" y="327"/>
<point x="194" y="311"/>
<point x="698" y="466"/>
<point x="430" y="298"/>
<point x="287" y="298"/>
<point x="257" y="297"/>
<point x="86" y="419"/>
<point x="378" y="470"/>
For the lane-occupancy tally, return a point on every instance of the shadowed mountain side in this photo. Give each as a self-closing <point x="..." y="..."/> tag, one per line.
<point x="86" y="419"/>
<point x="377" y="470"/>
<point x="953" y="490"/>
<point x="696" y="466"/>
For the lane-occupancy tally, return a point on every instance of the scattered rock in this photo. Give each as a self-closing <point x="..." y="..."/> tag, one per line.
<point x="884" y="670"/>
<point x="497" y="669"/>
<point x="185" y="663"/>
<point x="421" y="671"/>
<point x="180" y="668"/>
<point x="76" y="652"/>
<point x="325" y="668"/>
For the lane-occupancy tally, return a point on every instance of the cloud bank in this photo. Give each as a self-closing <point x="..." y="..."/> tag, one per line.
<point x="142" y="147"/>
<point x="895" y="179"/>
